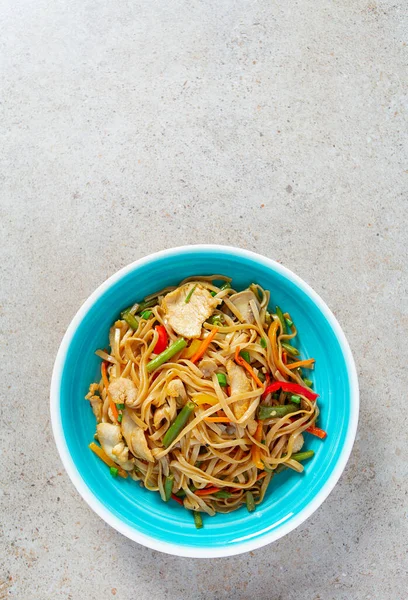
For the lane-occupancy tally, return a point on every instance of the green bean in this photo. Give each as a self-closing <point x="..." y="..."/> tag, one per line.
<point x="198" y="521"/>
<point x="256" y="291"/>
<point x="263" y="342"/>
<point x="131" y="320"/>
<point x="168" y="486"/>
<point x="299" y="456"/>
<point x="226" y="286"/>
<point x="308" y="382"/>
<point x="261" y="376"/>
<point x="178" y="424"/>
<point x="222" y="379"/>
<point x="245" y="355"/>
<point x="276" y="412"/>
<point x="143" y="305"/>
<point x="190" y="293"/>
<point x="114" y="471"/>
<point x="289" y="322"/>
<point x="166" y="354"/>
<point x="290" y="349"/>
<point x="250" y="502"/>
<point x="216" y="320"/>
<point x="281" y="318"/>
<point x="222" y="494"/>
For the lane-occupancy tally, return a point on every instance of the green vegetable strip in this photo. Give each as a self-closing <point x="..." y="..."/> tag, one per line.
<point x="120" y="417"/>
<point x="281" y="318"/>
<point x="222" y="380"/>
<point x="178" y="424"/>
<point x="190" y="293"/>
<point x="114" y="471"/>
<point x="216" y="320"/>
<point x="146" y="314"/>
<point x="263" y="342"/>
<point x="299" y="456"/>
<point x="289" y="322"/>
<point x="166" y="354"/>
<point x="226" y="286"/>
<point x="245" y="355"/>
<point x="131" y="320"/>
<point x="295" y="399"/>
<point x="261" y="376"/>
<point x="308" y="382"/>
<point x="143" y="305"/>
<point x="120" y="406"/>
<point x="290" y="349"/>
<point x="197" y="520"/>
<point x="222" y="494"/>
<point x="276" y="412"/>
<point x="250" y="502"/>
<point x="168" y="486"/>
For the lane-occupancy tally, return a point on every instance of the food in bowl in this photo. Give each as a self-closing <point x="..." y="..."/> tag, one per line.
<point x="203" y="396"/>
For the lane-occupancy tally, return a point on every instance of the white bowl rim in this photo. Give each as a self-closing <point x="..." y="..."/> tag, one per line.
<point x="184" y="550"/>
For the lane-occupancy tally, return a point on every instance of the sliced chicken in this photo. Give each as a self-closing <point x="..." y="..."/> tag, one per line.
<point x="240" y="384"/>
<point x="124" y="391"/>
<point x="298" y="443"/>
<point x="110" y="438"/>
<point x="207" y="366"/>
<point x="187" y="318"/>
<point x="95" y="401"/>
<point x="241" y="302"/>
<point x="135" y="438"/>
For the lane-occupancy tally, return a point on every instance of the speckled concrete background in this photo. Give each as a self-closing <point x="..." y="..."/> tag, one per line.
<point x="128" y="127"/>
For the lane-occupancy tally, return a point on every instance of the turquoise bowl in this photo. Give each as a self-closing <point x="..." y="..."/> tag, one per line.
<point x="141" y="515"/>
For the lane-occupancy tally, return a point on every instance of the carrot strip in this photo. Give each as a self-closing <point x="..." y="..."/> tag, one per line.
<point x="217" y="420"/>
<point x="255" y="450"/>
<point x="112" y="405"/>
<point x="320" y="433"/>
<point x="106" y="459"/>
<point x="307" y="364"/>
<point x="177" y="499"/>
<point x="273" y="329"/>
<point x="243" y="363"/>
<point x="204" y="345"/>
<point x="207" y="491"/>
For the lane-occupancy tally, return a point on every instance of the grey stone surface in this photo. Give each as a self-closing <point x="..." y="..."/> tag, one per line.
<point x="128" y="127"/>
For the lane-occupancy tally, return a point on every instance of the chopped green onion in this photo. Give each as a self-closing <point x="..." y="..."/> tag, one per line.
<point x="222" y="379"/>
<point x="222" y="494"/>
<point x="226" y="286"/>
<point x="197" y="520"/>
<point x="263" y="342"/>
<point x="216" y="320"/>
<point x="213" y="294"/>
<point x="120" y="417"/>
<point x="131" y="320"/>
<point x="146" y="314"/>
<point x="295" y="398"/>
<point x="276" y="412"/>
<point x="120" y="406"/>
<point x="168" y="486"/>
<point x="166" y="354"/>
<point x="308" y="382"/>
<point x="250" y="502"/>
<point x="289" y="322"/>
<point x="114" y="471"/>
<point x="178" y="424"/>
<point x="245" y="355"/>
<point x="281" y="318"/>
<point x="190" y="293"/>
<point x="290" y="349"/>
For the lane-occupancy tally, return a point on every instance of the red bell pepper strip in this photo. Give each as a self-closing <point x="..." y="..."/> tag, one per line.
<point x="286" y="386"/>
<point x="320" y="433"/>
<point x="162" y="341"/>
<point x="177" y="499"/>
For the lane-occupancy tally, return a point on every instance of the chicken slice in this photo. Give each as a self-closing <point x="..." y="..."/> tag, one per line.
<point x="207" y="366"/>
<point x="124" y="391"/>
<point x="240" y="384"/>
<point x="187" y="318"/>
<point x="95" y="401"/>
<point x="298" y="443"/>
<point x="241" y="302"/>
<point x="135" y="438"/>
<point x="110" y="438"/>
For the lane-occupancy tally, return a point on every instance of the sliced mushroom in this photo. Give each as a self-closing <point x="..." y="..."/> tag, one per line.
<point x="241" y="302"/>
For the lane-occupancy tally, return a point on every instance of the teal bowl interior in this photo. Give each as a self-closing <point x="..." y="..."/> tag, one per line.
<point x="142" y="514"/>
